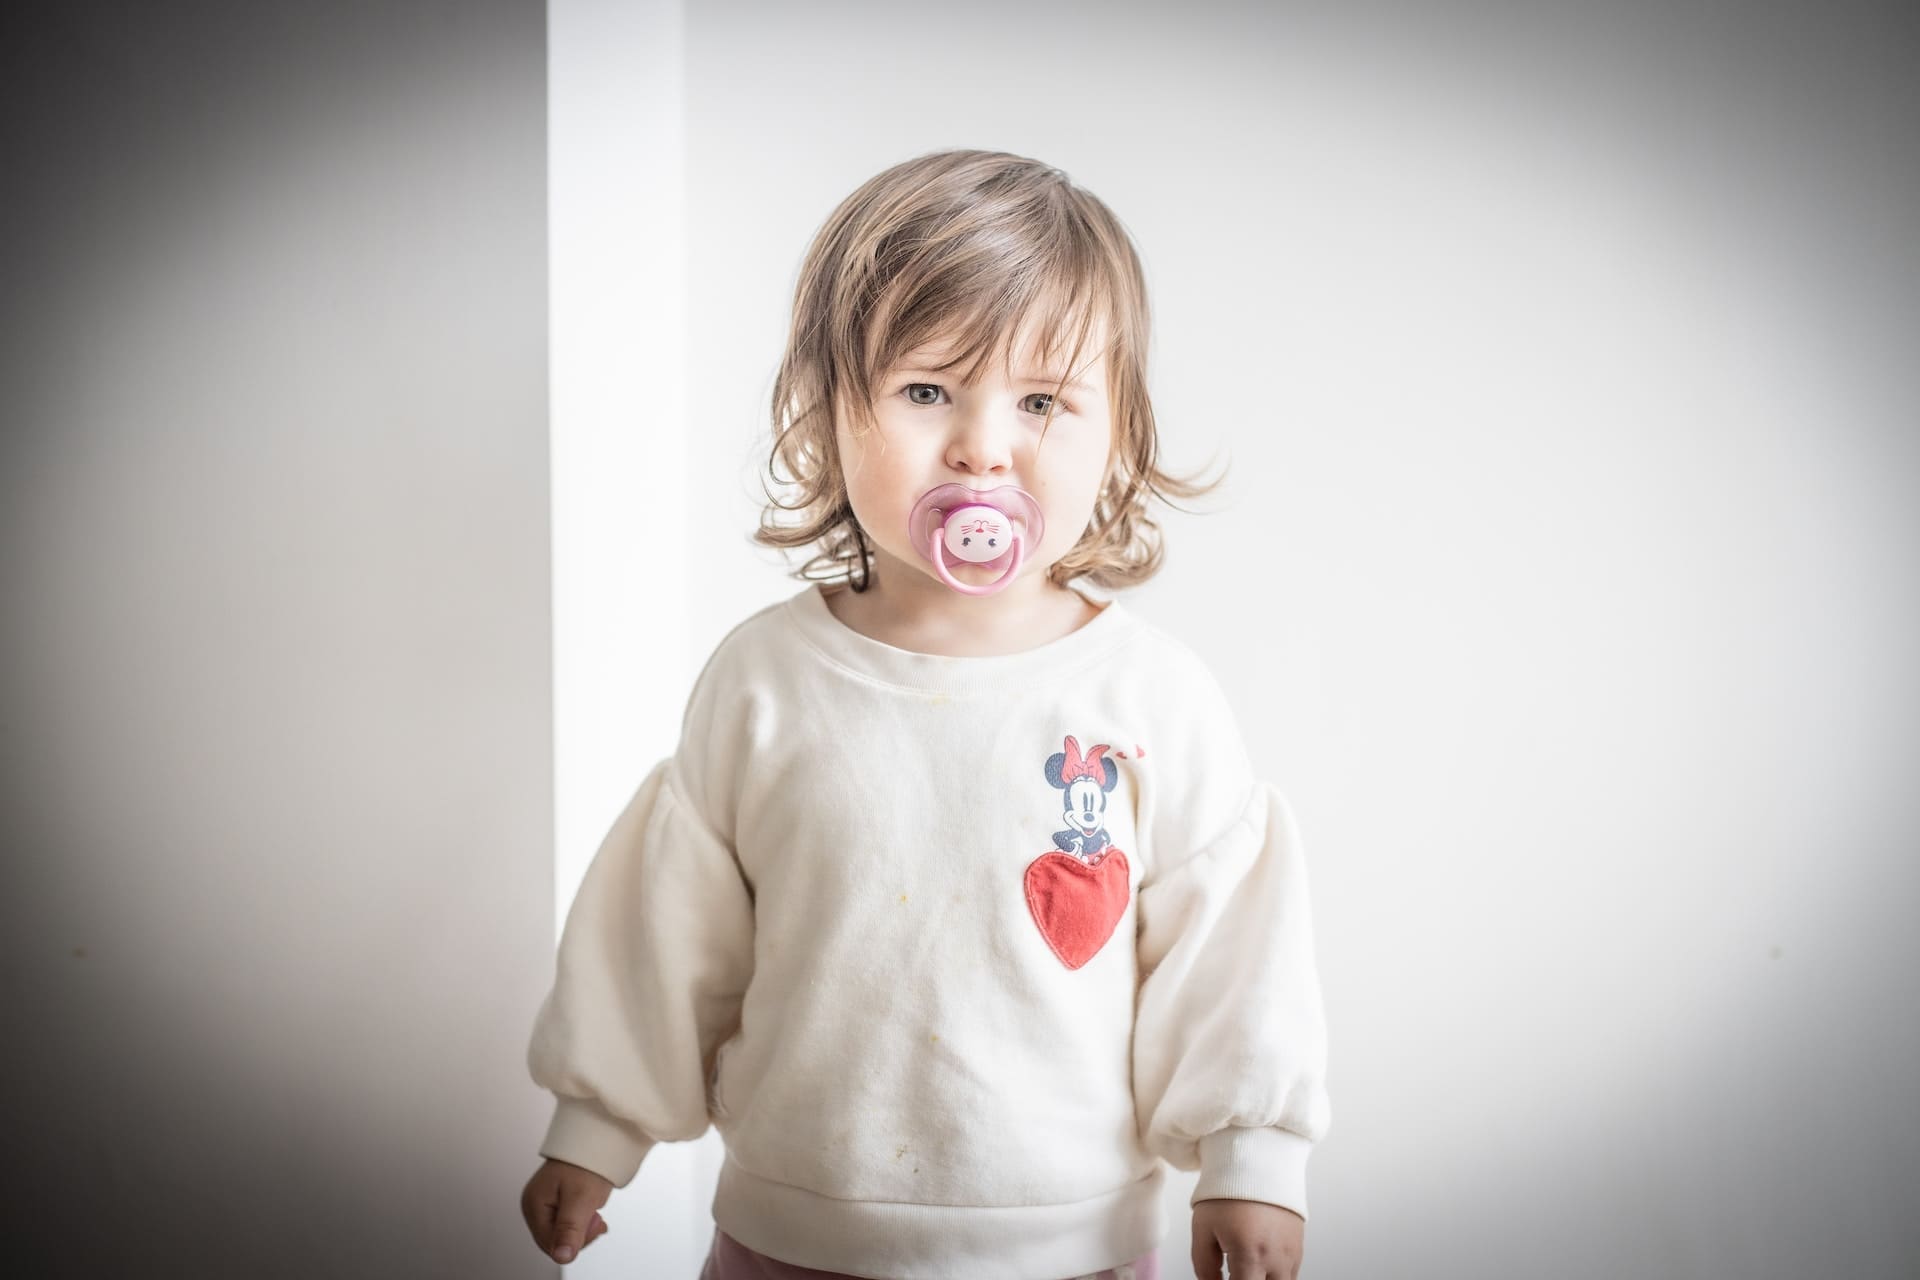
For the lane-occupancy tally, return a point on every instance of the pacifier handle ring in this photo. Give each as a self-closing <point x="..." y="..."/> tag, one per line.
<point x="985" y="588"/>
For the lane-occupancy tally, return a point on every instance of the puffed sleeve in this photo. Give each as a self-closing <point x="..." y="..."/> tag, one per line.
<point x="1230" y="1042"/>
<point x="649" y="976"/>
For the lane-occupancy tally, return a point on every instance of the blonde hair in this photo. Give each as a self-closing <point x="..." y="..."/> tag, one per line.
<point x="971" y="243"/>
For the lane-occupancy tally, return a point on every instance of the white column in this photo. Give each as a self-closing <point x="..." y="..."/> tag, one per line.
<point x="617" y="251"/>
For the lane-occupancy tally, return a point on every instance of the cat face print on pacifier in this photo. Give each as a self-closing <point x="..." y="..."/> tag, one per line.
<point x="990" y="527"/>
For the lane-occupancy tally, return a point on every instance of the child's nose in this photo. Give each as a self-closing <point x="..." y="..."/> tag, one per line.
<point x="982" y="442"/>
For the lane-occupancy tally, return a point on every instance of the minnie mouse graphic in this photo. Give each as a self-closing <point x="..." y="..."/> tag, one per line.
<point x="1078" y="891"/>
<point x="1086" y="781"/>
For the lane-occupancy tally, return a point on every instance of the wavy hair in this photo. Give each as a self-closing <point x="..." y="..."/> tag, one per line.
<point x="975" y="244"/>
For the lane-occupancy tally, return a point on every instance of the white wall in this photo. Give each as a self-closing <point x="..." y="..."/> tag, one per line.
<point x="1564" y="356"/>
<point x="1566" y="571"/>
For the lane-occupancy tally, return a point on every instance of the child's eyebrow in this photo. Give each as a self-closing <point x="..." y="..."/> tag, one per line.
<point x="1074" y="384"/>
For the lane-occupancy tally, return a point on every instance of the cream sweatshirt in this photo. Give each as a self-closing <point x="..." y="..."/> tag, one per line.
<point x="956" y="953"/>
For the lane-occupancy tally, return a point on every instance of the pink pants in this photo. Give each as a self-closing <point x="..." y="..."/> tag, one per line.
<point x="731" y="1260"/>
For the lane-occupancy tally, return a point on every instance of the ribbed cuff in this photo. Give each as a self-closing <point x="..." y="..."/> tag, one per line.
<point x="1267" y="1164"/>
<point x="584" y="1133"/>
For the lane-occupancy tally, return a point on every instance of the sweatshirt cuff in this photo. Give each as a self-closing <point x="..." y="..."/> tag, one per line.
<point x="1265" y="1163"/>
<point x="584" y="1133"/>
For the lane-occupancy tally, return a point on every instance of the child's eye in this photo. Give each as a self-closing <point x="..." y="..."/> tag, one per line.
<point x="913" y="387"/>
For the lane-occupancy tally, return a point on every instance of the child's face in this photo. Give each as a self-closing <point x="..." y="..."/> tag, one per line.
<point x="931" y="430"/>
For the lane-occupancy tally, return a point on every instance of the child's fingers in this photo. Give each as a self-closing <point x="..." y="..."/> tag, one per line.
<point x="571" y="1221"/>
<point x="537" y="1206"/>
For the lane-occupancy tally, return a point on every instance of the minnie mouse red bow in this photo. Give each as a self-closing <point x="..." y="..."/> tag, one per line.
<point x="1088" y="766"/>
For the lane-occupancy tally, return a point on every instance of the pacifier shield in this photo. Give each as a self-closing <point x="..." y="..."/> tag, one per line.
<point x="994" y="528"/>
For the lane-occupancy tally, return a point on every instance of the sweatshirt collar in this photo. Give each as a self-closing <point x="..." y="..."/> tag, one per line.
<point x="876" y="660"/>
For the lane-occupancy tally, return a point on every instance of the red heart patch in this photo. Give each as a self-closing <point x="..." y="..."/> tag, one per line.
<point x="1075" y="903"/>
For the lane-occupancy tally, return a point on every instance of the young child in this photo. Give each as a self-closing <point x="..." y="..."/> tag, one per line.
<point x="958" y="908"/>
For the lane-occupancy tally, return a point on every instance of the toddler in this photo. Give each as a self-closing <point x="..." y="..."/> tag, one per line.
<point x="958" y="909"/>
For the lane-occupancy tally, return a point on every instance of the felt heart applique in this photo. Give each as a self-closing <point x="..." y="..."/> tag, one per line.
<point x="1076" y="903"/>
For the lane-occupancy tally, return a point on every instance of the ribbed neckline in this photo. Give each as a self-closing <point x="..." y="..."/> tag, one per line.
<point x="876" y="660"/>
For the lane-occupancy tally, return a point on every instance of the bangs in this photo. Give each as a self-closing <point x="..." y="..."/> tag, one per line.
<point x="1048" y="337"/>
<point x="969" y="303"/>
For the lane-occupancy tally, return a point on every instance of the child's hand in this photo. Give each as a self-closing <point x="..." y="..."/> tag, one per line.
<point x="1260" y="1241"/>
<point x="561" y="1204"/>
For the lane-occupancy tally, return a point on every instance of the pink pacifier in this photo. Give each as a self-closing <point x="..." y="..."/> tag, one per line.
<point x="978" y="526"/>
